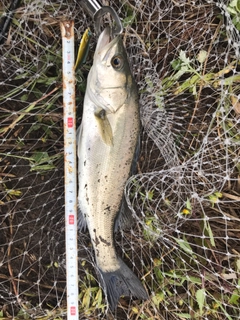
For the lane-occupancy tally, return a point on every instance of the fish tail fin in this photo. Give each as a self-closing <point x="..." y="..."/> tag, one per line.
<point x="122" y="282"/>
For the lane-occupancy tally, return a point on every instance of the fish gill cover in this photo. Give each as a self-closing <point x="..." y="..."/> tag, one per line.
<point x="184" y="243"/>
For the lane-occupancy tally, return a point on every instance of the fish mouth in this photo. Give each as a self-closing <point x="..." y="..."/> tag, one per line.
<point x="106" y="41"/>
<point x="104" y="38"/>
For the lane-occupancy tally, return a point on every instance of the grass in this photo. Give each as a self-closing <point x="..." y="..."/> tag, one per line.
<point x="202" y="299"/>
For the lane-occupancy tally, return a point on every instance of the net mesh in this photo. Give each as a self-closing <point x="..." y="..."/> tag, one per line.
<point x="184" y="244"/>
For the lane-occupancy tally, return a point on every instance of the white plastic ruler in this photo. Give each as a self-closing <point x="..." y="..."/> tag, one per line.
<point x="70" y="170"/>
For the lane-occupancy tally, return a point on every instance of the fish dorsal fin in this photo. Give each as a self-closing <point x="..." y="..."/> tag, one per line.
<point x="104" y="126"/>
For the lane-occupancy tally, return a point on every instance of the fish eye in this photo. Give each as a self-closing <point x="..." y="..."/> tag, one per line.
<point x="117" y="62"/>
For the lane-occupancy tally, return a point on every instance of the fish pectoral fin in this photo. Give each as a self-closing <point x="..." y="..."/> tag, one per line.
<point x="104" y="126"/>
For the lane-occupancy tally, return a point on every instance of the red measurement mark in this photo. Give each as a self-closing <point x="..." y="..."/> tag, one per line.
<point x="71" y="219"/>
<point x="68" y="57"/>
<point x="73" y="311"/>
<point x="70" y="122"/>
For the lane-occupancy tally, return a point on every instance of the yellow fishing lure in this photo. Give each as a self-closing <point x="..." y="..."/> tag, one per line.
<point x="83" y="48"/>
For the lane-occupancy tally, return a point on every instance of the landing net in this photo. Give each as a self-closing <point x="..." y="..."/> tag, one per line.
<point x="185" y="240"/>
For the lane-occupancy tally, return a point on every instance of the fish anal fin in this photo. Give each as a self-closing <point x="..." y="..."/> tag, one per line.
<point x="79" y="138"/>
<point x="124" y="218"/>
<point x="122" y="282"/>
<point x="82" y="223"/>
<point x="104" y="126"/>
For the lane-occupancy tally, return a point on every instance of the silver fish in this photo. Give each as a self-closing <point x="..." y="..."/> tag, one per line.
<point x="107" y="142"/>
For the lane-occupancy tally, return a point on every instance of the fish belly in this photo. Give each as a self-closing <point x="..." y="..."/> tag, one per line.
<point x="103" y="172"/>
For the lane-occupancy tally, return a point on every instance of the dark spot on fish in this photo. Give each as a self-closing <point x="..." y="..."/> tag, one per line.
<point x="84" y="163"/>
<point x="108" y="208"/>
<point x="97" y="241"/>
<point x="89" y="149"/>
<point x="98" y="180"/>
<point x="105" y="241"/>
<point x="127" y="163"/>
<point x="97" y="253"/>
<point x="85" y="186"/>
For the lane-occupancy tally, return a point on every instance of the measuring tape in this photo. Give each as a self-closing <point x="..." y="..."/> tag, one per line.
<point x="70" y="171"/>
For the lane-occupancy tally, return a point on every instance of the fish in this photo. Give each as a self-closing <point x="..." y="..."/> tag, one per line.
<point x="107" y="148"/>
